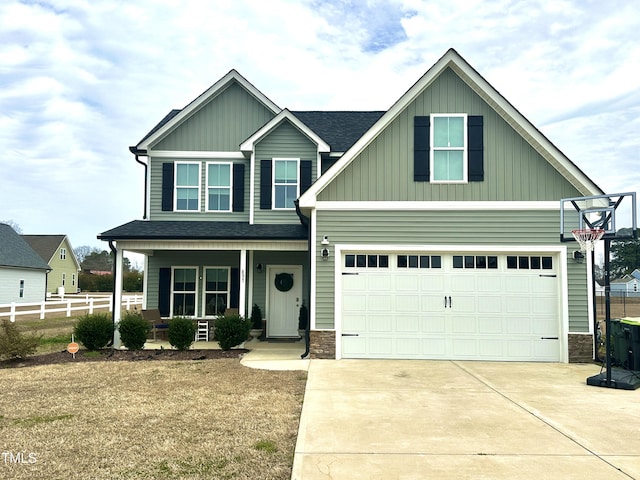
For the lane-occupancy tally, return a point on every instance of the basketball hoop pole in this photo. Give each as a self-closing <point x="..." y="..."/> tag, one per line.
<point x="607" y="308"/>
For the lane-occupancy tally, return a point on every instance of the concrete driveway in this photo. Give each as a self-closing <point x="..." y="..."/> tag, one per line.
<point x="402" y="419"/>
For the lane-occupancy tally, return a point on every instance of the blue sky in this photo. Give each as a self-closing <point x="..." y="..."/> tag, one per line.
<point x="81" y="80"/>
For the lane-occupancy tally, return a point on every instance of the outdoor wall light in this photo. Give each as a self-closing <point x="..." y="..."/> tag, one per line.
<point x="259" y="268"/>
<point x="325" y="254"/>
<point x="578" y="256"/>
<point x="325" y="240"/>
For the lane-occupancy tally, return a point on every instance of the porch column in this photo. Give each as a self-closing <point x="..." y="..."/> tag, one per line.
<point x="243" y="283"/>
<point x="117" y="297"/>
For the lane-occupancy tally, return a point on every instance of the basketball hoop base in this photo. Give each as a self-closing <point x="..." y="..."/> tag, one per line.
<point x="620" y="379"/>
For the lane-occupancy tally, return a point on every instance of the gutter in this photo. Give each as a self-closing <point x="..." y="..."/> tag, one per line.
<point x="137" y="153"/>
<point x="305" y="221"/>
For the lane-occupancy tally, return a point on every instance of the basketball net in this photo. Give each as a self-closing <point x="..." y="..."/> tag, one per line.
<point x="587" y="237"/>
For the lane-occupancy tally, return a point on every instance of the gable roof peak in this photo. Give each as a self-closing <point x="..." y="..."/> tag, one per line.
<point x="175" y="117"/>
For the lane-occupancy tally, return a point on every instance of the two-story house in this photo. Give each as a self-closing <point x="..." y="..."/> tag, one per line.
<point x="427" y="231"/>
<point x="56" y="251"/>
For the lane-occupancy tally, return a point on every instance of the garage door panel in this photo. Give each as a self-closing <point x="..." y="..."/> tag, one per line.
<point x="434" y="324"/>
<point x="380" y="324"/>
<point x="445" y="313"/>
<point x="434" y="347"/>
<point x="381" y="304"/>
<point x="465" y="347"/>
<point x="490" y="325"/>
<point x="489" y="304"/>
<point x="517" y="284"/>
<point x="463" y="325"/>
<point x="518" y="325"/>
<point x="377" y="283"/>
<point x="407" y="303"/>
<point x="406" y="324"/>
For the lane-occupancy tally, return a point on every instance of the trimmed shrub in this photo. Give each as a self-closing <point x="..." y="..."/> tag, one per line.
<point x="182" y="332"/>
<point x="256" y="317"/>
<point x="232" y="330"/>
<point x="14" y="344"/>
<point x="133" y="330"/>
<point x="94" y="331"/>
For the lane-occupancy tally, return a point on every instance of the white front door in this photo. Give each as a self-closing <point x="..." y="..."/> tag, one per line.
<point x="284" y="300"/>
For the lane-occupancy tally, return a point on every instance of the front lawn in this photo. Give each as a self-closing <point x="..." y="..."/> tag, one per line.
<point x="149" y="420"/>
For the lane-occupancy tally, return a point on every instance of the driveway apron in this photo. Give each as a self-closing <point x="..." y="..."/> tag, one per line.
<point x="405" y="419"/>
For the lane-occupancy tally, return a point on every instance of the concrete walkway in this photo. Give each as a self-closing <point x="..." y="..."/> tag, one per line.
<point x="265" y="355"/>
<point x="394" y="419"/>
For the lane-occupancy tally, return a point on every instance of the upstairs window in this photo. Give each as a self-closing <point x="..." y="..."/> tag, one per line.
<point x="285" y="183"/>
<point x="187" y="187"/>
<point x="63" y="254"/>
<point x="219" y="187"/>
<point x="449" y="148"/>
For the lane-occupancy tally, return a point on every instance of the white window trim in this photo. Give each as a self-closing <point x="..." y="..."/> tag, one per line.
<point x="273" y="182"/>
<point x="175" y="187"/>
<point x="207" y="186"/>
<point x="195" y="303"/>
<point x="205" y="291"/>
<point x="465" y="148"/>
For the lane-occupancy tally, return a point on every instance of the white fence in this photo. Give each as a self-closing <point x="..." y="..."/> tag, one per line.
<point x="87" y="304"/>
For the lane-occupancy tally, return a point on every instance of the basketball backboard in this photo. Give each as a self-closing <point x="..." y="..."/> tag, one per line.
<point x="614" y="213"/>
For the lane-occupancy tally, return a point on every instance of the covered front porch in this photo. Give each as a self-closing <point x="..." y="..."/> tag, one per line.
<point x="201" y="270"/>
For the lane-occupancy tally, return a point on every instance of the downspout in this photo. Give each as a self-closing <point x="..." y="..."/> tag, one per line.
<point x="113" y="295"/>
<point x="305" y="221"/>
<point x="136" y="152"/>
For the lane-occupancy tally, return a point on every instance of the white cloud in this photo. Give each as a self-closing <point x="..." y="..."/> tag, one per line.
<point x="82" y="80"/>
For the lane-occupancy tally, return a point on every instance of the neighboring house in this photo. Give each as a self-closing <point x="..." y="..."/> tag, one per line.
<point x="427" y="231"/>
<point x="629" y="284"/>
<point x="23" y="274"/>
<point x="57" y="252"/>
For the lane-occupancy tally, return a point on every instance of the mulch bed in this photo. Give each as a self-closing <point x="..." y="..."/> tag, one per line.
<point x="120" y="356"/>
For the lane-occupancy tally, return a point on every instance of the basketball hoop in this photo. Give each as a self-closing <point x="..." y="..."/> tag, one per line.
<point x="587" y="237"/>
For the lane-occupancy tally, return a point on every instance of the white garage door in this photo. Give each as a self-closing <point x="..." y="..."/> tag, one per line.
<point x="457" y="307"/>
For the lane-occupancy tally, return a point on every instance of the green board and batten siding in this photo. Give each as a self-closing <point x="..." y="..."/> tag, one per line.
<point x="513" y="169"/>
<point x="285" y="141"/>
<point x="220" y="125"/>
<point x="383" y="171"/>
<point x="491" y="228"/>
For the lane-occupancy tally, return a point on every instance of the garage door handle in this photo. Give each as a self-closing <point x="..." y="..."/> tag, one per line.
<point x="350" y="334"/>
<point x="550" y="276"/>
<point x="445" y="302"/>
<point x="549" y="338"/>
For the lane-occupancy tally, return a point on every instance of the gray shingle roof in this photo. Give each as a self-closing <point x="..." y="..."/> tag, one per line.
<point x="44" y="245"/>
<point x="339" y="129"/>
<point x="203" y="230"/>
<point x="16" y="252"/>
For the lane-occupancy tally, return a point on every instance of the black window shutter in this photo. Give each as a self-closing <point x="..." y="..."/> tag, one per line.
<point x="265" y="184"/>
<point x="164" y="292"/>
<point x="167" y="187"/>
<point x="305" y="175"/>
<point x="238" y="187"/>
<point x="421" y="149"/>
<point x="234" y="301"/>
<point x="476" y="148"/>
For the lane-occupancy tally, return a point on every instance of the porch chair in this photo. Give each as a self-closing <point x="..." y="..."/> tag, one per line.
<point x="202" y="332"/>
<point x="155" y="321"/>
